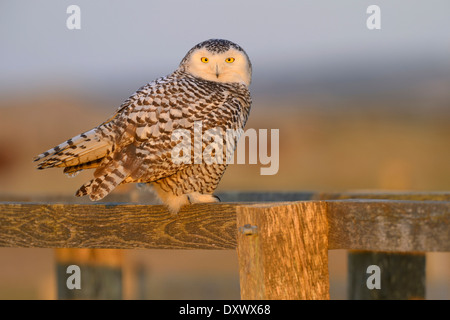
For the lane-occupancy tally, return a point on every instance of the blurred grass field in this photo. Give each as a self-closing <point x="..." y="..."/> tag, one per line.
<point x="326" y="145"/>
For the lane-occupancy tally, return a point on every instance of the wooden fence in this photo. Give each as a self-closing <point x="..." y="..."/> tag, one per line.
<point x="282" y="239"/>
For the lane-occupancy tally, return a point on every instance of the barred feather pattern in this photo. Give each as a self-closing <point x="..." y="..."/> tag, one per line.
<point x="135" y="144"/>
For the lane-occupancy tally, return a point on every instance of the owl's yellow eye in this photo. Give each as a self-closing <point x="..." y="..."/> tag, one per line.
<point x="229" y="60"/>
<point x="204" y="59"/>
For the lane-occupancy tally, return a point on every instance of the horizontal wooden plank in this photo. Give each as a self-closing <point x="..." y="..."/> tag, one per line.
<point x="121" y="226"/>
<point x="379" y="225"/>
<point x="388" y="225"/>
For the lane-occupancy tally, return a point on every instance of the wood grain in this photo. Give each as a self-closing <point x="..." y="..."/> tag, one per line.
<point x="287" y="257"/>
<point x="382" y="225"/>
<point x="120" y="226"/>
<point x="403" y="274"/>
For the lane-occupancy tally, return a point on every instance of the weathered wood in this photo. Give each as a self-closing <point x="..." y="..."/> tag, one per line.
<point x="120" y="226"/>
<point x="388" y="225"/>
<point x="101" y="273"/>
<point x="392" y="225"/>
<point x="382" y="225"/>
<point x="282" y="250"/>
<point x="402" y="276"/>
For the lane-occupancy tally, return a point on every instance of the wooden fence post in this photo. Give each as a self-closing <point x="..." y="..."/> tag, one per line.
<point x="283" y="251"/>
<point x="101" y="273"/>
<point x="402" y="275"/>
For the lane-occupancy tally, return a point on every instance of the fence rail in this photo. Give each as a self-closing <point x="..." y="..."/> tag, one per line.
<point x="282" y="245"/>
<point x="377" y="225"/>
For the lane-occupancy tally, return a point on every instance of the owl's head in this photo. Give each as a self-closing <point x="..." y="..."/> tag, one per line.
<point x="218" y="60"/>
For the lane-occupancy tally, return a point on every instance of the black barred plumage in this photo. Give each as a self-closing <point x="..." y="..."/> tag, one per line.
<point x="135" y="144"/>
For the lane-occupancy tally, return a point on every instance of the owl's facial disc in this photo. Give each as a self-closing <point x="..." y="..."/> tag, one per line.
<point x="229" y="66"/>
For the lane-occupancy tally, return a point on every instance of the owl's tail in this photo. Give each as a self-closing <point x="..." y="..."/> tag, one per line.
<point x="90" y="150"/>
<point x="122" y="167"/>
<point x="83" y="151"/>
<point x="101" y="186"/>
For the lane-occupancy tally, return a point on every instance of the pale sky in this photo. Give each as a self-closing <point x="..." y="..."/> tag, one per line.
<point x="137" y="41"/>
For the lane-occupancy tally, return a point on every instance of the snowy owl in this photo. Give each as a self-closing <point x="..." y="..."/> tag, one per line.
<point x="208" y="91"/>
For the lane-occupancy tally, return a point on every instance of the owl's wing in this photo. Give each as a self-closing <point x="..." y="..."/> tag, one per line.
<point x="86" y="150"/>
<point x="143" y="133"/>
<point x="89" y="149"/>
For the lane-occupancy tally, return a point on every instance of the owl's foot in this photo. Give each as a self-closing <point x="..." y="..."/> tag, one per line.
<point x="174" y="202"/>
<point x="196" y="197"/>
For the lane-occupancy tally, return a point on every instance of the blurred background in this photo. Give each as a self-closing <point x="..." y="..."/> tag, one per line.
<point x="357" y="109"/>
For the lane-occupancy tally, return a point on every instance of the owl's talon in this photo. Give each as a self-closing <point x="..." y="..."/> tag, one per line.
<point x="196" y="197"/>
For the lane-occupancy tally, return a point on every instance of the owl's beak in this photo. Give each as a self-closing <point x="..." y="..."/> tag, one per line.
<point x="217" y="71"/>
